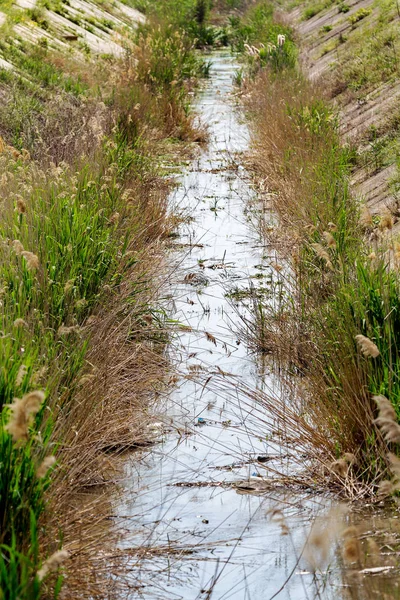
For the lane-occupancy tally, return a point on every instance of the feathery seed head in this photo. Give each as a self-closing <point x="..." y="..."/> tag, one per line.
<point x="18" y="247"/>
<point x="22" y="371"/>
<point x="22" y="412"/>
<point x="20" y="323"/>
<point x="32" y="261"/>
<point x="21" y="205"/>
<point x="52" y="563"/>
<point x="322" y="253"/>
<point x="386" y="222"/>
<point x="366" y="220"/>
<point x="47" y="463"/>
<point x="63" y="330"/>
<point x="385" y="488"/>
<point x="340" y="467"/>
<point x="329" y="239"/>
<point x="281" y="40"/>
<point x="68" y="286"/>
<point x="367" y="347"/>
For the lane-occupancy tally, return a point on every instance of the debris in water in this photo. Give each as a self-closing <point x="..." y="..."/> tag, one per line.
<point x="376" y="570"/>
<point x="264" y="459"/>
<point x="211" y="338"/>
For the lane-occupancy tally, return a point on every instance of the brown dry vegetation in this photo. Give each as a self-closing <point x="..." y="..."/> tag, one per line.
<point x="334" y="285"/>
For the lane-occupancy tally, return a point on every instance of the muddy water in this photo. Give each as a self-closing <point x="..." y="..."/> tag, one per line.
<point x="200" y="533"/>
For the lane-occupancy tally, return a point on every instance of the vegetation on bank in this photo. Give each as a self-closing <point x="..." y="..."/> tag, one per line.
<point x="83" y="220"/>
<point x="336" y="325"/>
<point x="364" y="44"/>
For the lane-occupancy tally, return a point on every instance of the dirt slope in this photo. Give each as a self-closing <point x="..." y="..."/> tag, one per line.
<point x="330" y="42"/>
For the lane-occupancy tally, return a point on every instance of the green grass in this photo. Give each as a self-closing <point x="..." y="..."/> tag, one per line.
<point x="258" y="28"/>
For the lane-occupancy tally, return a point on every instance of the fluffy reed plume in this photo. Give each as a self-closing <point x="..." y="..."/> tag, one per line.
<point x="20" y="375"/>
<point x="366" y="220"/>
<point x="252" y="50"/>
<point x="81" y="303"/>
<point x="396" y="250"/>
<point x="386" y="222"/>
<point x="367" y="347"/>
<point x="115" y="218"/>
<point x="349" y="458"/>
<point x="332" y="226"/>
<point x="395" y="466"/>
<point x="18" y="323"/>
<point x="18" y="247"/>
<point x="63" y="330"/>
<point x="32" y="261"/>
<point x="52" y="563"/>
<point x="340" y="467"/>
<point x="47" y="463"/>
<point x="385" y="488"/>
<point x="39" y="375"/>
<point x="351" y="549"/>
<point x="329" y="239"/>
<point x="322" y="253"/>
<point x="22" y="412"/>
<point x="387" y="420"/>
<point x="281" y="40"/>
<point x="21" y="205"/>
<point x="86" y="379"/>
<point x="68" y="286"/>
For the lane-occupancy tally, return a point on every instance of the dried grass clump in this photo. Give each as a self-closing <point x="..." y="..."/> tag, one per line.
<point x="93" y="183"/>
<point x="304" y="174"/>
<point x="386" y="222"/>
<point x="21" y="205"/>
<point x="20" y="323"/>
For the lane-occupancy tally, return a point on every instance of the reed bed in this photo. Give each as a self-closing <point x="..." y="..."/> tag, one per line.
<point x="84" y="224"/>
<point x="334" y="324"/>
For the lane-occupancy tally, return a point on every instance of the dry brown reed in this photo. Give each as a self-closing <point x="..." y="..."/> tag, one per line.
<point x="291" y="162"/>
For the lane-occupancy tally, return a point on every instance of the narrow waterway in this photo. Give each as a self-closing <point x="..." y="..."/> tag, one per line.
<point x="201" y="536"/>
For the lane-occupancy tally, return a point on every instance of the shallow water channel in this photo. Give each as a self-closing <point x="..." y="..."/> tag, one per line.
<point x="204" y="539"/>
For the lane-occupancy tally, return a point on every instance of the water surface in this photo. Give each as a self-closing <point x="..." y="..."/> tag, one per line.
<point x="203" y="538"/>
